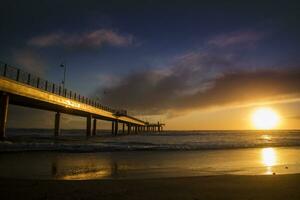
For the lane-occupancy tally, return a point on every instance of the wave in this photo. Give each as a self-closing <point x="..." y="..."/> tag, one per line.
<point x="74" y="141"/>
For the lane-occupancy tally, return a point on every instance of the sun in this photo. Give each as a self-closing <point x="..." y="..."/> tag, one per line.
<point x="265" y="118"/>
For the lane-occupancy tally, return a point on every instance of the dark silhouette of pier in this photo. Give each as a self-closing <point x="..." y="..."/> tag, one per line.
<point x="18" y="87"/>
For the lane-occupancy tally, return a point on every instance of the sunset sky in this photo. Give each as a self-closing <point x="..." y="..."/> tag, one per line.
<point x="191" y="65"/>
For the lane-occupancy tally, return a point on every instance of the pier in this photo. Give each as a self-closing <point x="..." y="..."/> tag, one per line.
<point x="18" y="87"/>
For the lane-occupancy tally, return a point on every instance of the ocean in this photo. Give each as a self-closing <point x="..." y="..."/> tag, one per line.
<point x="35" y="154"/>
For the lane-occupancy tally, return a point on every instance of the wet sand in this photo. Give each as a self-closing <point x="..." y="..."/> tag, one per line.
<point x="205" y="187"/>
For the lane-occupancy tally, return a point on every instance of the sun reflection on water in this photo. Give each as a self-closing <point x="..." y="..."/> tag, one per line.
<point x="266" y="137"/>
<point x="269" y="159"/>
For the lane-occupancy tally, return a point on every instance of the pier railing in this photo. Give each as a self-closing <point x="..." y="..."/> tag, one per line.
<point x="24" y="77"/>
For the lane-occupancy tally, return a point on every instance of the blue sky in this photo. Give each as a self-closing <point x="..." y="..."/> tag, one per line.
<point x="176" y="48"/>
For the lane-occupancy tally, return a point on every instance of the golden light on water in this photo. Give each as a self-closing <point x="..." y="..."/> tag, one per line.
<point x="265" y="118"/>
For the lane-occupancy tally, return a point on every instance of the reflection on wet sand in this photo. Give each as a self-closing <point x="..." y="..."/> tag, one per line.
<point x="269" y="159"/>
<point x="120" y="165"/>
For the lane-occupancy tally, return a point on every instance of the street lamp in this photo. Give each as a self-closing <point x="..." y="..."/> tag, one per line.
<point x="64" y="80"/>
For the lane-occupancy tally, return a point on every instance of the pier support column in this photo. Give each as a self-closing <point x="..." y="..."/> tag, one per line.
<point x="158" y="127"/>
<point x="116" y="127"/>
<point x="94" y="127"/>
<point x="89" y="126"/>
<point x="4" y="101"/>
<point x="57" y="124"/>
<point x="128" y="128"/>
<point x="123" y="129"/>
<point x="136" y="129"/>
<point x="112" y="127"/>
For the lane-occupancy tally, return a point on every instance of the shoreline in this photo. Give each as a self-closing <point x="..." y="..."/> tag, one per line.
<point x="201" y="187"/>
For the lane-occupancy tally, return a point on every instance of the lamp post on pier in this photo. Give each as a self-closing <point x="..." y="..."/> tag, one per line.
<point x="64" y="79"/>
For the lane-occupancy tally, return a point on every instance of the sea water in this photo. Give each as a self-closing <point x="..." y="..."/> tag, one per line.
<point x="35" y="154"/>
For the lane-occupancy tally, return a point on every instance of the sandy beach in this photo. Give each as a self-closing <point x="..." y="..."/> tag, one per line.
<point x="206" y="187"/>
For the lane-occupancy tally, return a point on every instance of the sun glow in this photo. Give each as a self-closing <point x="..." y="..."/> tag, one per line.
<point x="265" y="118"/>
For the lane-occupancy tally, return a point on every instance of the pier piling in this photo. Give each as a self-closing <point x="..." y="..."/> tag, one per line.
<point x="116" y="127"/>
<point x="4" y="100"/>
<point x="94" y="127"/>
<point x="128" y="128"/>
<point x="57" y="124"/>
<point x="88" y="125"/>
<point x="112" y="127"/>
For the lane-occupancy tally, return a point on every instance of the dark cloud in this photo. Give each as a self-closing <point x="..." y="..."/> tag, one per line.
<point x="192" y="85"/>
<point x="157" y="89"/>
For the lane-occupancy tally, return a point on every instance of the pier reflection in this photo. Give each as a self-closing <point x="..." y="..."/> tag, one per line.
<point x="84" y="168"/>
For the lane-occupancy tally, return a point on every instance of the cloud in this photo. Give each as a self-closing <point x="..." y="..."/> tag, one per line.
<point x="243" y="87"/>
<point x="200" y="81"/>
<point x="92" y="39"/>
<point x="248" y="37"/>
<point x="214" y="76"/>
<point x="30" y="61"/>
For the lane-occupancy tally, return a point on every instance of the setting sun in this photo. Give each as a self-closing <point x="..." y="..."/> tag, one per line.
<point x="265" y="118"/>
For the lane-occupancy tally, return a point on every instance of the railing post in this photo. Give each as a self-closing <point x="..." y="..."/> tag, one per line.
<point x="5" y="70"/>
<point x="53" y="88"/>
<point x="38" y="82"/>
<point x="59" y="90"/>
<point x="18" y="75"/>
<point x="46" y="85"/>
<point x="28" y="79"/>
